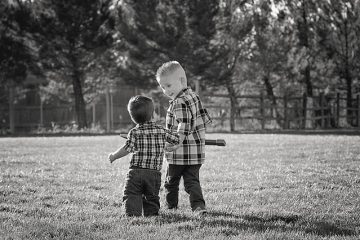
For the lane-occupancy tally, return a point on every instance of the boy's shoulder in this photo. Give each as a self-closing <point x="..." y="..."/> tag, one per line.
<point x="158" y="127"/>
<point x="187" y="97"/>
<point x="133" y="130"/>
<point x="140" y="131"/>
<point x="148" y="128"/>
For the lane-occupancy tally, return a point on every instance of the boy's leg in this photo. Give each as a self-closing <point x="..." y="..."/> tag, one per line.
<point x="172" y="181"/>
<point x="151" y="199"/>
<point x="192" y="186"/>
<point x="132" y="198"/>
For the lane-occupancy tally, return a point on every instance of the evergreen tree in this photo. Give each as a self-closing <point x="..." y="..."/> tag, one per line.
<point x="157" y="31"/>
<point x="18" y="27"/>
<point x="75" y="33"/>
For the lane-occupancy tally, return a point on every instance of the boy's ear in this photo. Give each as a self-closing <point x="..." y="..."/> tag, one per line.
<point x="183" y="81"/>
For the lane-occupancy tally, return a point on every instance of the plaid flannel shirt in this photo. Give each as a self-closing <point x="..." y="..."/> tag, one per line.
<point x="187" y="116"/>
<point x="146" y="142"/>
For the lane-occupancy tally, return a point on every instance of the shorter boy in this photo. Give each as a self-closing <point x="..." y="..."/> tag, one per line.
<point x="146" y="141"/>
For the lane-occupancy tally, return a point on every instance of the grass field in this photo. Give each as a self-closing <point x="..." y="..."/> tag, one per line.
<point x="257" y="187"/>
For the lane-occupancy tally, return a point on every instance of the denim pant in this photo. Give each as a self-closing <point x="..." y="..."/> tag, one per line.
<point x="141" y="192"/>
<point x="190" y="174"/>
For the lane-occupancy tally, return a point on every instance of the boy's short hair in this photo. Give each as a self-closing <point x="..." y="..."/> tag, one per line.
<point x="141" y="109"/>
<point x="168" y="68"/>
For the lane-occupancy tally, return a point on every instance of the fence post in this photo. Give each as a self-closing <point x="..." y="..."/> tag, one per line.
<point x="107" y="99"/>
<point x="328" y="109"/>
<point x="197" y="86"/>
<point x="11" y="108"/>
<point x="322" y="114"/>
<point x="286" y="123"/>
<point x="41" y="112"/>
<point x="358" y="110"/>
<point x="111" y="111"/>
<point x="304" y="104"/>
<point x="262" y="110"/>
<point x="338" y="110"/>
<point x="93" y="114"/>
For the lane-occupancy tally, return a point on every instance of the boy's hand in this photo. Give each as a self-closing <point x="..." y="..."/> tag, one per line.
<point x="171" y="148"/>
<point x="111" y="157"/>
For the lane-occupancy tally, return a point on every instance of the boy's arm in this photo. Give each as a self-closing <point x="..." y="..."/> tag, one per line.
<point x="121" y="152"/>
<point x="129" y="146"/>
<point x="169" y="147"/>
<point x="183" y="117"/>
<point x="171" y="137"/>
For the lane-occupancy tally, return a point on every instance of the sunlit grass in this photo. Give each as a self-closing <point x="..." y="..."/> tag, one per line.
<point x="257" y="187"/>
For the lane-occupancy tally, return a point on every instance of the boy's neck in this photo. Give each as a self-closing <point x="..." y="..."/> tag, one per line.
<point x="148" y="122"/>
<point x="181" y="91"/>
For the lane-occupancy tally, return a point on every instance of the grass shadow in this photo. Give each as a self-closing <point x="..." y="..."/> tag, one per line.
<point x="286" y="219"/>
<point x="234" y="223"/>
<point x="328" y="229"/>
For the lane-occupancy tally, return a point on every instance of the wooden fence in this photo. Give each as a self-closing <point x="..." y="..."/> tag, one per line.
<point x="288" y="112"/>
<point x="30" y="113"/>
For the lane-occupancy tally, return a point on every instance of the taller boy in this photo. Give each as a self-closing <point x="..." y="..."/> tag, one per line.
<point x="187" y="116"/>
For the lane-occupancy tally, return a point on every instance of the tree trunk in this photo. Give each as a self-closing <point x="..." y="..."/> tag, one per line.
<point x="11" y="107"/>
<point x="348" y="78"/>
<point x="78" y="95"/>
<point x="309" y="87"/>
<point x="304" y="40"/>
<point x="349" y="112"/>
<point x="233" y="104"/>
<point x="270" y="94"/>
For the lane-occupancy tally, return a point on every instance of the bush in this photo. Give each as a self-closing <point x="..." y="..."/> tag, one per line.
<point x="71" y="128"/>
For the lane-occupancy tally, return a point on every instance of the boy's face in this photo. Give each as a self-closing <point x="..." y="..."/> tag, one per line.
<point x="172" y="84"/>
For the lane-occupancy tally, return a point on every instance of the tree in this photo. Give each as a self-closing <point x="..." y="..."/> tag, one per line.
<point x="157" y="31"/>
<point x="340" y="38"/>
<point x="75" y="34"/>
<point x="17" y="46"/>
<point x="269" y="47"/>
<point x="19" y="52"/>
<point x="230" y="46"/>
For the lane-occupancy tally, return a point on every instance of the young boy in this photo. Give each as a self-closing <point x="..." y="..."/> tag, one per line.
<point x="187" y="116"/>
<point x="146" y="141"/>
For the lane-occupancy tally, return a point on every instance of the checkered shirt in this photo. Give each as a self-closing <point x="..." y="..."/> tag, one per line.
<point x="146" y="142"/>
<point x="187" y="116"/>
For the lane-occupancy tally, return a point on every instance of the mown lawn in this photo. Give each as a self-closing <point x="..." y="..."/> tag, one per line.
<point x="257" y="187"/>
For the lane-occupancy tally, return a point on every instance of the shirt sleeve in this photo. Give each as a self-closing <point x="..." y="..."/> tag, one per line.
<point x="130" y="144"/>
<point x="183" y="117"/>
<point x="205" y="116"/>
<point x="172" y="137"/>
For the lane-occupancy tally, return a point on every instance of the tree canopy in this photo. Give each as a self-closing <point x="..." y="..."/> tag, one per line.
<point x="277" y="46"/>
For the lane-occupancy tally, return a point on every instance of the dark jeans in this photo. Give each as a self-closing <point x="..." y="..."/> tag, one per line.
<point x="141" y="192"/>
<point x="190" y="174"/>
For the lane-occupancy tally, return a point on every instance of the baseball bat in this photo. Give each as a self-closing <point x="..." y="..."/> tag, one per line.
<point x="214" y="142"/>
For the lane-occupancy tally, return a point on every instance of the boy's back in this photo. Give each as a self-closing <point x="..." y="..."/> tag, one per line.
<point x="146" y="142"/>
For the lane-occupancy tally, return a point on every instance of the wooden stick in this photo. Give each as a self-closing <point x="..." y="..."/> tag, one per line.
<point x="214" y="142"/>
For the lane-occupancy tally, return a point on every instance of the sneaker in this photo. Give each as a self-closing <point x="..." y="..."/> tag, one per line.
<point x="200" y="211"/>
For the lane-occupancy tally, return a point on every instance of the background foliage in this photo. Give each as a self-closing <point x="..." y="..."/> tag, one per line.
<point x="280" y="47"/>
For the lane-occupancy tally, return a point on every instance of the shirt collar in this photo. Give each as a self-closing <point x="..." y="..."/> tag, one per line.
<point x="145" y="124"/>
<point x="179" y="94"/>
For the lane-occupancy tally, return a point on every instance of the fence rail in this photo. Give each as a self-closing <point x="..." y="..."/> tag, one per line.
<point x="289" y="112"/>
<point x="300" y="112"/>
